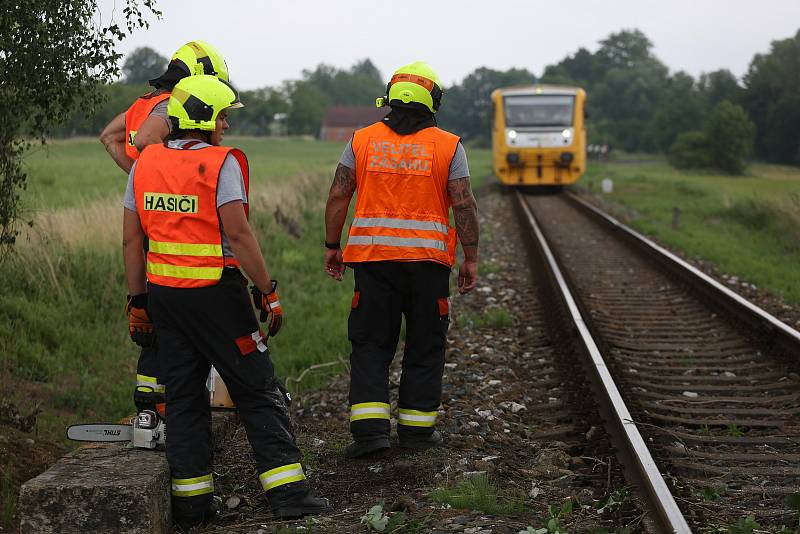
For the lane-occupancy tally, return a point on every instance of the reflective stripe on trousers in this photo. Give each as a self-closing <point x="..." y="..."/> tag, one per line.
<point x="416" y="418"/>
<point x="281" y="475"/>
<point x="369" y="410"/>
<point x="151" y="382"/>
<point x="189" y="487"/>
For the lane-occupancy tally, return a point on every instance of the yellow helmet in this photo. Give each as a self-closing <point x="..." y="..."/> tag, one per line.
<point x="199" y="57"/>
<point x="416" y="82"/>
<point x="196" y="101"/>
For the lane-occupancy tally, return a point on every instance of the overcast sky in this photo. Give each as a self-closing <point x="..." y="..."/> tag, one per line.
<point x="266" y="42"/>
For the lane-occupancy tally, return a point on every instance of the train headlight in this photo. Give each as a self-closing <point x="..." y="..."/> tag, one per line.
<point x="512" y="134"/>
<point x="566" y="133"/>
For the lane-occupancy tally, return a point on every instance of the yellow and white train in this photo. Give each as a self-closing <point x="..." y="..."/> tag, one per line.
<point x="539" y="135"/>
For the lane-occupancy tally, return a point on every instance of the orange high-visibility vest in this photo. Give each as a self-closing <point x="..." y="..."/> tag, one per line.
<point x="402" y="207"/>
<point x="176" y="199"/>
<point x="136" y="115"/>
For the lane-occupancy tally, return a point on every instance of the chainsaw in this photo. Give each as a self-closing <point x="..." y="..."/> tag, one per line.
<point x="146" y="431"/>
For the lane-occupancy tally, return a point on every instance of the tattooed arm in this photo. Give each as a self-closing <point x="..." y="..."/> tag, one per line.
<point x="465" y="212"/>
<point x="339" y="197"/>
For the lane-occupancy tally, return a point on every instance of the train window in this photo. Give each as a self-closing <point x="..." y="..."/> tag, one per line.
<point x="539" y="110"/>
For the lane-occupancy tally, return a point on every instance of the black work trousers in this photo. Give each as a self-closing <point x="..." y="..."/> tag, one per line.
<point x="216" y="325"/>
<point x="384" y="293"/>
<point x="149" y="390"/>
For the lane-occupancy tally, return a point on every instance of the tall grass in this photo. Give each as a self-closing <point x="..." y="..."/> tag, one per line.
<point x="63" y="333"/>
<point x="747" y="226"/>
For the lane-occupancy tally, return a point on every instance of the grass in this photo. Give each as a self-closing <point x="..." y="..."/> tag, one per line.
<point x="478" y="493"/>
<point x="63" y="333"/>
<point x="489" y="318"/>
<point x="68" y="173"/>
<point x="74" y="172"/>
<point x="748" y="226"/>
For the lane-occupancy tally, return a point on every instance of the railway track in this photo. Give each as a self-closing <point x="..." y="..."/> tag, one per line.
<point x="698" y="387"/>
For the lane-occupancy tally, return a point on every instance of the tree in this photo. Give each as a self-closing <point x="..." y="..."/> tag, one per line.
<point x="720" y="85"/>
<point x="466" y="107"/>
<point x="54" y="57"/>
<point x="142" y="65"/>
<point x="772" y="85"/>
<point x="308" y="105"/>
<point x="581" y="69"/>
<point x="690" y="151"/>
<point x="682" y="109"/>
<point x="258" y="113"/>
<point x="624" y="100"/>
<point x="627" y="49"/>
<point x="358" y="86"/>
<point x="729" y="133"/>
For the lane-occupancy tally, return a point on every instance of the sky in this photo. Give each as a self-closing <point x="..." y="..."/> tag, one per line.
<point x="265" y="42"/>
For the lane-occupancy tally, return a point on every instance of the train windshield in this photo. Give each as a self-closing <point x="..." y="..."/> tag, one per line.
<point x="539" y="110"/>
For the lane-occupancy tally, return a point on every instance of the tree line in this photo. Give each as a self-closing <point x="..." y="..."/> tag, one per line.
<point x="634" y="102"/>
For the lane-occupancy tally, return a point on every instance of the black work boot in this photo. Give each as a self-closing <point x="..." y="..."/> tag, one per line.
<point x="296" y="500"/>
<point x="188" y="522"/>
<point x="412" y="441"/>
<point x="363" y="448"/>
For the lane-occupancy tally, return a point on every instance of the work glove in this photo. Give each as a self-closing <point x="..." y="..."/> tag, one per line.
<point x="139" y="324"/>
<point x="270" y="306"/>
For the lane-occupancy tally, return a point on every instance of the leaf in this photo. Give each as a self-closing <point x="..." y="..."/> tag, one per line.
<point x="566" y="508"/>
<point x="379" y="524"/>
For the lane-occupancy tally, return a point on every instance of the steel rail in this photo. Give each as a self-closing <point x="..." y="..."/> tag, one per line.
<point x="660" y="498"/>
<point x="742" y="308"/>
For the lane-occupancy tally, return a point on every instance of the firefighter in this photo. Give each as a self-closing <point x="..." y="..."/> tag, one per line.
<point x="407" y="173"/>
<point x="145" y="123"/>
<point x="189" y="197"/>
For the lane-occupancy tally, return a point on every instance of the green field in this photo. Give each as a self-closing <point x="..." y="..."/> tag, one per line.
<point x="63" y="333"/>
<point x="749" y="226"/>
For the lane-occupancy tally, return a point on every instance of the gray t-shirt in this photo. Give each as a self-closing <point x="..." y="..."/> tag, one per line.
<point x="161" y="111"/>
<point x="459" y="168"/>
<point x="230" y="187"/>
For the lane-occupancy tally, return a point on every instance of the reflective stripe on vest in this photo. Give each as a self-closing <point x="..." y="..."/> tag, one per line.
<point x="135" y="117"/>
<point x="416" y="418"/>
<point x="190" y="487"/>
<point x="369" y="410"/>
<point x="176" y="193"/>
<point x="389" y="241"/>
<point x="281" y="475"/>
<point x="405" y="224"/>
<point x="149" y="381"/>
<point x="402" y="207"/>
<point x="186" y="249"/>
<point x="187" y="273"/>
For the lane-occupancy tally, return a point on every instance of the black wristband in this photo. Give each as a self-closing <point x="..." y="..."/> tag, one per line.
<point x="333" y="246"/>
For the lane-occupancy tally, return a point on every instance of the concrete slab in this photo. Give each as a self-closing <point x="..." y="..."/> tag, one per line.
<point x="102" y="488"/>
